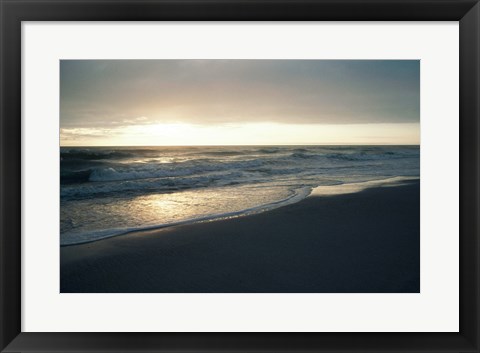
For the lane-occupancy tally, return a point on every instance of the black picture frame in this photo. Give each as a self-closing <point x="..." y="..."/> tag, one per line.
<point x="13" y="12"/>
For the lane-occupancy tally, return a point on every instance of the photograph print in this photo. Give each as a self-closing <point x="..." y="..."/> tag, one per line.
<point x="239" y="176"/>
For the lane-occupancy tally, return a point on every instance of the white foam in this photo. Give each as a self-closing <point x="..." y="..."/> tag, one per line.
<point x="331" y="190"/>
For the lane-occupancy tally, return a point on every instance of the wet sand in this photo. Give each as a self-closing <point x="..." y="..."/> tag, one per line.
<point x="363" y="242"/>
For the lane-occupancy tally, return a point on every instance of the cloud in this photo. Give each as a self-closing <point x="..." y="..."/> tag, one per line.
<point x="84" y="133"/>
<point x="106" y="93"/>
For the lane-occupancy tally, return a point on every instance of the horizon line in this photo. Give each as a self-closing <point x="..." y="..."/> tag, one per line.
<point x="286" y="145"/>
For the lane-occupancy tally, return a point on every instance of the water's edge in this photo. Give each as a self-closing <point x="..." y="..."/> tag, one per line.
<point x="299" y="195"/>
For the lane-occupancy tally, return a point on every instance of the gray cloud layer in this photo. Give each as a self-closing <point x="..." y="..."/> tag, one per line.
<point x="108" y="93"/>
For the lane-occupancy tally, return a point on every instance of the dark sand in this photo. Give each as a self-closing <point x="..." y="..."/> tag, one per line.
<point x="363" y="242"/>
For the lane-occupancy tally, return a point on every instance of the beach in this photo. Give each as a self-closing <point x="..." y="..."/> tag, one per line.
<point x="108" y="191"/>
<point x="361" y="242"/>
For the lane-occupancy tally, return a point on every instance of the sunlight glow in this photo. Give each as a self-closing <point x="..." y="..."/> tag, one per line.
<point x="265" y="133"/>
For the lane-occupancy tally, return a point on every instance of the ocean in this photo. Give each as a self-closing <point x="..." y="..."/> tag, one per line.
<point x="108" y="191"/>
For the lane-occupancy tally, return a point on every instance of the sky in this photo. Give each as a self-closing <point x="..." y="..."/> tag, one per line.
<point x="239" y="102"/>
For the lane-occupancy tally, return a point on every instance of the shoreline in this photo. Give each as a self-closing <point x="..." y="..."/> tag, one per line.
<point x="321" y="190"/>
<point x="362" y="242"/>
<point x="209" y="218"/>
